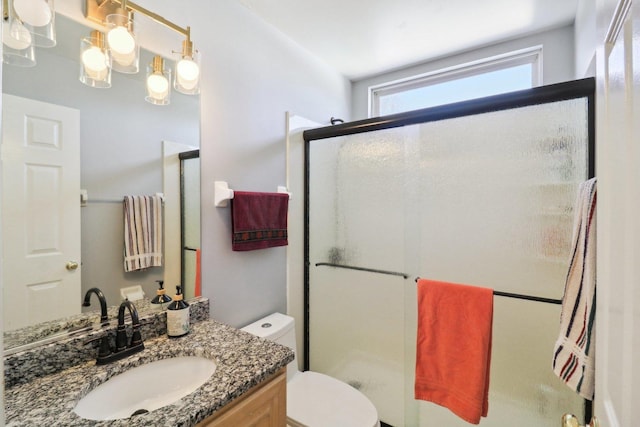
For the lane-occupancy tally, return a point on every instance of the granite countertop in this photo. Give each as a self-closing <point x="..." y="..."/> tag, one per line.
<point x="242" y="359"/>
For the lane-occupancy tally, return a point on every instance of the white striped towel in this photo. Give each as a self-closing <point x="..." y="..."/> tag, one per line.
<point x="574" y="351"/>
<point x="142" y="232"/>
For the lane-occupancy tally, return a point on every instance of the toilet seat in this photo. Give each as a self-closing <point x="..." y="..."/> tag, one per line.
<point x="318" y="400"/>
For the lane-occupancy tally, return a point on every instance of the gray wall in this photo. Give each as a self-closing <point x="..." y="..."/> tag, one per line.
<point x="558" y="63"/>
<point x="252" y="75"/>
<point x="586" y="39"/>
<point x="121" y="154"/>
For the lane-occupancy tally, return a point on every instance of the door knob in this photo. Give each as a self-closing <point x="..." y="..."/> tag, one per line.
<point x="72" y="265"/>
<point x="570" y="420"/>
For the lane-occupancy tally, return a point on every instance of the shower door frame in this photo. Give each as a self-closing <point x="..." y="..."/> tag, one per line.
<point x="185" y="155"/>
<point x="583" y="88"/>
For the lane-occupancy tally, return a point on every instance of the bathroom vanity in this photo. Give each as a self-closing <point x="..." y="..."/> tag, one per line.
<point x="249" y="382"/>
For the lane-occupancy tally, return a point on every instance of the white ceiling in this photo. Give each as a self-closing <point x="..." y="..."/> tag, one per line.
<point x="360" y="38"/>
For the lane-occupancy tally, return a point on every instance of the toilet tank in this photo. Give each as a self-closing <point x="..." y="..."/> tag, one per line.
<point x="279" y="328"/>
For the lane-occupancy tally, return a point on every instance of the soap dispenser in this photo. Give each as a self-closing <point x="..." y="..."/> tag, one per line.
<point x="161" y="300"/>
<point x="178" y="315"/>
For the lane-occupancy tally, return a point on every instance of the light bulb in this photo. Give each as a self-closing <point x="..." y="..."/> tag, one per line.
<point x="188" y="73"/>
<point x="158" y="86"/>
<point x="16" y="36"/>
<point x="33" y="12"/>
<point x="95" y="63"/>
<point x="122" y="44"/>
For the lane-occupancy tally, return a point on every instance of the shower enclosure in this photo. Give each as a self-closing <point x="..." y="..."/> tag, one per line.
<point x="479" y="192"/>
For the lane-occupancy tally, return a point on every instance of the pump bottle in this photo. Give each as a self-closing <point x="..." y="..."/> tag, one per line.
<point x="178" y="315"/>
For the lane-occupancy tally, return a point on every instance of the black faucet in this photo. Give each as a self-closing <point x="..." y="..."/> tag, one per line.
<point x="123" y="349"/>
<point x="104" y="319"/>
<point x="121" y="334"/>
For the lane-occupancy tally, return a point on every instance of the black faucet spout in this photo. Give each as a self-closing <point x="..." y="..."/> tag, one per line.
<point x="104" y="319"/>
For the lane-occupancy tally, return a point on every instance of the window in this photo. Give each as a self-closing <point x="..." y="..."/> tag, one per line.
<point x="491" y="76"/>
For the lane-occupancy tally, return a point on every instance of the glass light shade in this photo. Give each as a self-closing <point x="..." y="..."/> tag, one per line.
<point x="17" y="44"/>
<point x="15" y="35"/>
<point x="158" y="82"/>
<point x="38" y="17"/>
<point x="187" y="72"/>
<point x="123" y="44"/>
<point x="95" y="62"/>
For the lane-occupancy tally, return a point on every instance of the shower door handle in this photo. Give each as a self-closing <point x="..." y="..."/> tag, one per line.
<point x="570" y="420"/>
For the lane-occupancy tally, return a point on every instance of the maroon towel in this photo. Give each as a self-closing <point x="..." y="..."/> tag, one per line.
<point x="258" y="220"/>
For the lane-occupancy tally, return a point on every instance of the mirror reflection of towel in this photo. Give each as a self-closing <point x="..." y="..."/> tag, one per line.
<point x="142" y="232"/>
<point x="258" y="220"/>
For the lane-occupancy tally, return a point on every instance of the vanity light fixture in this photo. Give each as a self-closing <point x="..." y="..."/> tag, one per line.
<point x="95" y="61"/>
<point x="158" y="82"/>
<point x="27" y="23"/>
<point x="117" y="16"/>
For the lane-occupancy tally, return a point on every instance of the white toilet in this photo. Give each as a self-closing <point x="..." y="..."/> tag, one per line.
<point x="314" y="399"/>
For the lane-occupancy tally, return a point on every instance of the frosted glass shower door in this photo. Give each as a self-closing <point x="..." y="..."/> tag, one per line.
<point x="485" y="200"/>
<point x="357" y="219"/>
<point x="496" y="195"/>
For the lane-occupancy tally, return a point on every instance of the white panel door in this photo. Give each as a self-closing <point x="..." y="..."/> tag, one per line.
<point x="41" y="211"/>
<point x="618" y="159"/>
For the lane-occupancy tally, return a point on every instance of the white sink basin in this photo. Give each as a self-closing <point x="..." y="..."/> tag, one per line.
<point x="145" y="388"/>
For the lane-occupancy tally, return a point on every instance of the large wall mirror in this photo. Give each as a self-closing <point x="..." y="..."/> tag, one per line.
<point x="127" y="147"/>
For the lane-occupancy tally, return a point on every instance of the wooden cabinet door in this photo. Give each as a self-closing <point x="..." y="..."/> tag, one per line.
<point x="263" y="406"/>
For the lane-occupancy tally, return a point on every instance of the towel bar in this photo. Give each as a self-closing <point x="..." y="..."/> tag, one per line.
<point x="84" y="198"/>
<point x="370" y="270"/>
<point x="521" y="296"/>
<point x="222" y="193"/>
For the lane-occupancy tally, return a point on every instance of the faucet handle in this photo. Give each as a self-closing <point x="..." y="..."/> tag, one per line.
<point x="105" y="348"/>
<point x="136" y="337"/>
<point x="121" y="338"/>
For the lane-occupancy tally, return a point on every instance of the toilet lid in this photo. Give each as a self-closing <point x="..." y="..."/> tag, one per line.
<point x="318" y="400"/>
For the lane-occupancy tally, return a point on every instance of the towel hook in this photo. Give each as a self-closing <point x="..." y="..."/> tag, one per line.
<point x="222" y="193"/>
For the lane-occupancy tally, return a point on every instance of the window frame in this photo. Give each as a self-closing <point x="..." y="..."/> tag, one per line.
<point x="531" y="55"/>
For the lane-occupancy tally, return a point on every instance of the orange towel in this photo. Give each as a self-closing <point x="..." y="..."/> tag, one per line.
<point x="198" y="280"/>
<point x="454" y="347"/>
